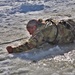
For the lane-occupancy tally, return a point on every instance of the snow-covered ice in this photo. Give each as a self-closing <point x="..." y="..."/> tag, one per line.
<point x="48" y="60"/>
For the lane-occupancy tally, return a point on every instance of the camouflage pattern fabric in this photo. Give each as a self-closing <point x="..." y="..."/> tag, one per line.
<point x="47" y="34"/>
<point x="65" y="35"/>
<point x="72" y="25"/>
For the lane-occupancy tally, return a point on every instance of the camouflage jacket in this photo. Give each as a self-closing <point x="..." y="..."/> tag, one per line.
<point x="52" y="33"/>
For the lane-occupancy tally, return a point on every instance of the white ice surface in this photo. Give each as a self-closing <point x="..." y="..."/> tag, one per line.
<point x="57" y="60"/>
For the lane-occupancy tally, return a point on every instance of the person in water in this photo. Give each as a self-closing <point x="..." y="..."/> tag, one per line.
<point x="47" y="31"/>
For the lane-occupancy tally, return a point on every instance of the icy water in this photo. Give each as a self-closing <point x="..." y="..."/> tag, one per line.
<point x="45" y="60"/>
<point x="57" y="60"/>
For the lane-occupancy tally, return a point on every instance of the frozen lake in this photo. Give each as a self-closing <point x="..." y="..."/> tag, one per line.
<point x="46" y="60"/>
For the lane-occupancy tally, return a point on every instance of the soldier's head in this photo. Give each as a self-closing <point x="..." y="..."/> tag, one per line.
<point x="32" y="26"/>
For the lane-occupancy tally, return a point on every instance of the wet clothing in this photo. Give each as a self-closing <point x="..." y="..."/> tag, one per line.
<point x="52" y="33"/>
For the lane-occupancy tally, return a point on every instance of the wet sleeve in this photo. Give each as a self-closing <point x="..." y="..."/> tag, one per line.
<point x="33" y="42"/>
<point x="21" y="48"/>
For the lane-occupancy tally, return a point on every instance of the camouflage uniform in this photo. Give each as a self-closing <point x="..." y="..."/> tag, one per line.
<point x="51" y="33"/>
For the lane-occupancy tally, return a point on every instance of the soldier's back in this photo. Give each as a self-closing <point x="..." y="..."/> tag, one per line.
<point x="65" y="31"/>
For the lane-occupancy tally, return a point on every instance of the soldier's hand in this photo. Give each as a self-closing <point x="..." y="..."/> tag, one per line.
<point x="9" y="49"/>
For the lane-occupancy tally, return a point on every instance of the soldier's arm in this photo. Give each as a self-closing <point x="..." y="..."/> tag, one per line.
<point x="37" y="39"/>
<point x="33" y="42"/>
<point x="21" y="48"/>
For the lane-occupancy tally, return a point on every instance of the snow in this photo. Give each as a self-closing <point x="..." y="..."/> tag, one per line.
<point x="48" y="60"/>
